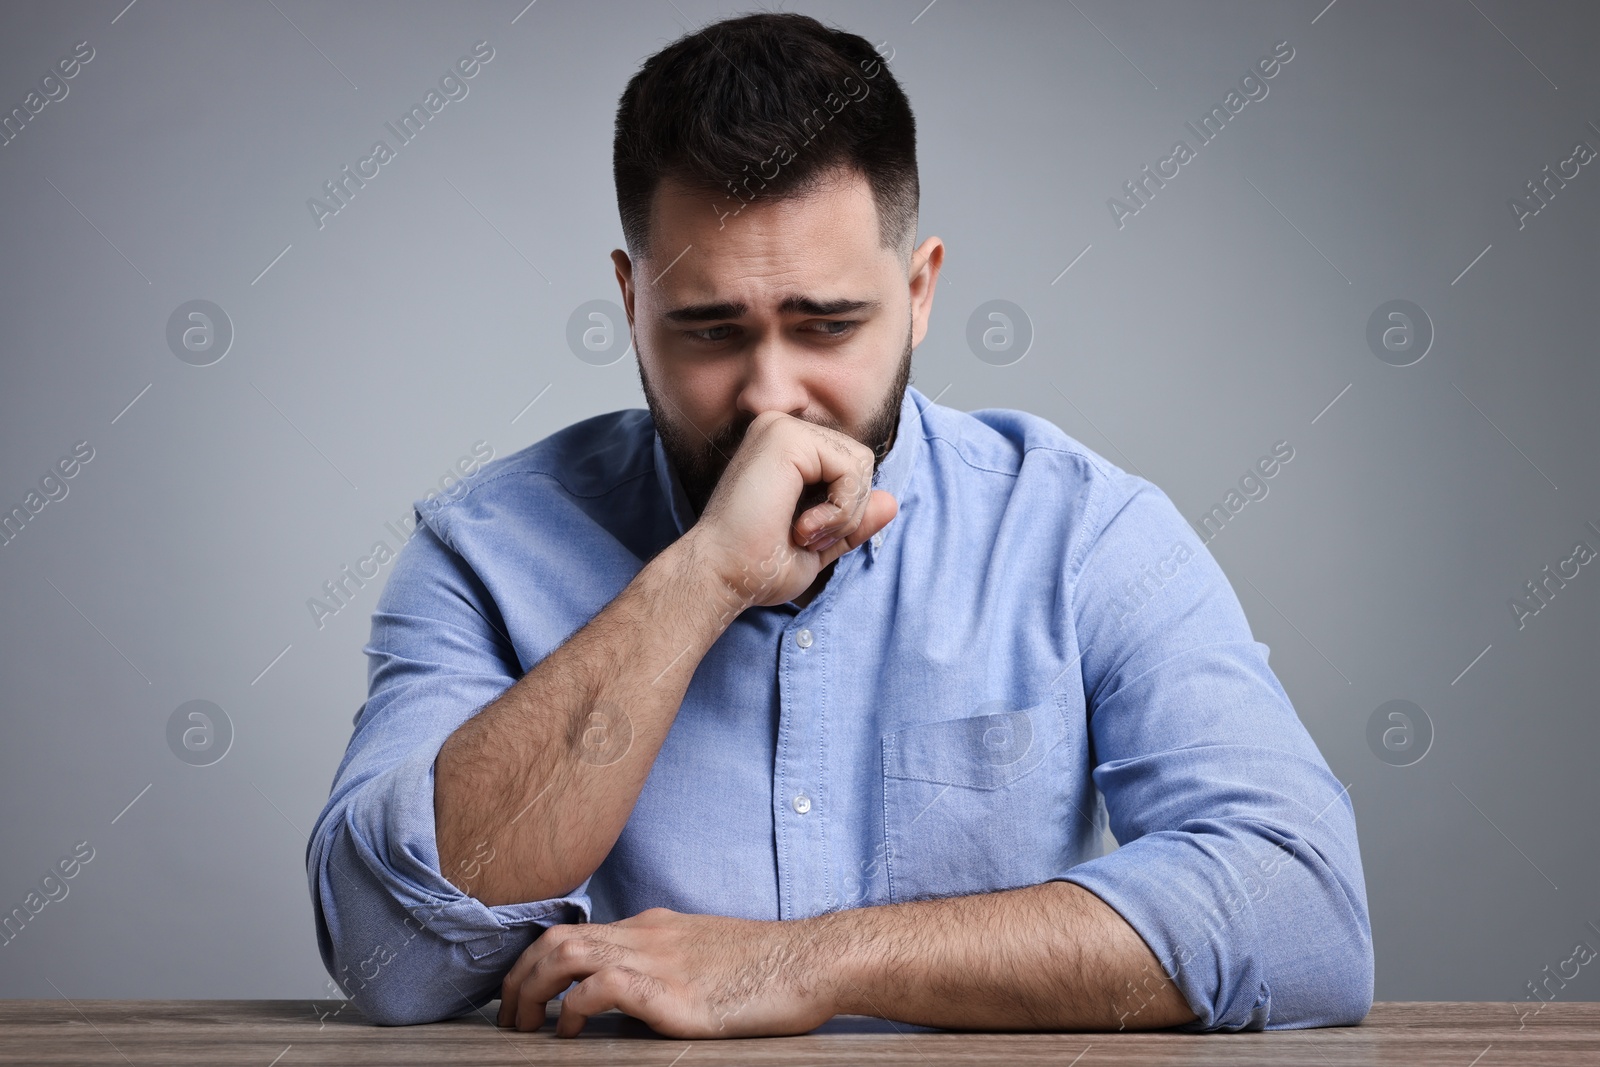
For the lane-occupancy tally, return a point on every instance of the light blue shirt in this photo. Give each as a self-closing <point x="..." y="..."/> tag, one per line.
<point x="1036" y="630"/>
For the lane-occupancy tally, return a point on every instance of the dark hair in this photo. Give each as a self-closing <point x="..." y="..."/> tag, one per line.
<point x="720" y="108"/>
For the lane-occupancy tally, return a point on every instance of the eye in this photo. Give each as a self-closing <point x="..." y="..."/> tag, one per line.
<point x="701" y="335"/>
<point x="847" y="327"/>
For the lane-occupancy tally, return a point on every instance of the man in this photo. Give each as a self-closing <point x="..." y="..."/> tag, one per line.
<point x="797" y="694"/>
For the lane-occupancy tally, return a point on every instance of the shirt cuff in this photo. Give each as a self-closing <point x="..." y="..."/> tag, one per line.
<point x="1183" y="897"/>
<point x="392" y="829"/>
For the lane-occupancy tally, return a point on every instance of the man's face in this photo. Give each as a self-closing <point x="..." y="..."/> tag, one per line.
<point x="789" y="305"/>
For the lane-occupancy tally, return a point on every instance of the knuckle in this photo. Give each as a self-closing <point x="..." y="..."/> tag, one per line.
<point x="573" y="950"/>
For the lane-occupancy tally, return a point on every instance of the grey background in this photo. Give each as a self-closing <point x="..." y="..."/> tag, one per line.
<point x="1224" y="317"/>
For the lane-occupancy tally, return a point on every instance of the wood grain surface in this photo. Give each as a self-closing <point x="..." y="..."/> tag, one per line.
<point x="275" y="1033"/>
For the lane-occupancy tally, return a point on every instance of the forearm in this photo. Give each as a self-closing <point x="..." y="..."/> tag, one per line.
<point x="1045" y="957"/>
<point x="531" y="793"/>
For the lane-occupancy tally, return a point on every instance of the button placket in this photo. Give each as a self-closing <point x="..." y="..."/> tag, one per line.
<point x="801" y="827"/>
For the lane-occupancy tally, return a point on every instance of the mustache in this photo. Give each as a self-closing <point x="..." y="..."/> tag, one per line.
<point x="728" y="439"/>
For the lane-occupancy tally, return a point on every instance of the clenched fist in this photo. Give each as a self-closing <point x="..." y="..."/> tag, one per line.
<point x="749" y="532"/>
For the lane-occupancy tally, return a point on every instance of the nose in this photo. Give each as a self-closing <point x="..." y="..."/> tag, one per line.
<point x="771" y="380"/>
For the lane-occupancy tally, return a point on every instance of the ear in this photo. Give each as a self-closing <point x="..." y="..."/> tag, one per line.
<point x="924" y="278"/>
<point x="624" y="267"/>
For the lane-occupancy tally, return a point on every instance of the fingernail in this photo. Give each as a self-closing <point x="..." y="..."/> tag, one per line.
<point x="824" y="546"/>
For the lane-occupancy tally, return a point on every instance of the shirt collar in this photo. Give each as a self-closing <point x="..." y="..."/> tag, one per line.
<point x="892" y="475"/>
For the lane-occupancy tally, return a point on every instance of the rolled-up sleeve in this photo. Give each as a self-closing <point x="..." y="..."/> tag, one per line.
<point x="403" y="943"/>
<point x="1238" y="863"/>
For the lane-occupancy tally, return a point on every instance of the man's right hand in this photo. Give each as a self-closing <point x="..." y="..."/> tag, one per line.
<point x="749" y="532"/>
<point x="631" y="665"/>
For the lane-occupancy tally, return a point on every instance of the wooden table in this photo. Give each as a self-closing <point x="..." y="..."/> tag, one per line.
<point x="278" y="1033"/>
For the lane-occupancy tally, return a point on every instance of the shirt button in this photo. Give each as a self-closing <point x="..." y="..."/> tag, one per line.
<point x="803" y="639"/>
<point x="801" y="803"/>
<point x="877" y="539"/>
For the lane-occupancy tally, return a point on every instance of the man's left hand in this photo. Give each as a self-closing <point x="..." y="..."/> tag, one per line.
<point x="689" y="976"/>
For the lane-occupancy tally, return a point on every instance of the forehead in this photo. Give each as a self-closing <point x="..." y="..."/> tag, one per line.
<point x="823" y="243"/>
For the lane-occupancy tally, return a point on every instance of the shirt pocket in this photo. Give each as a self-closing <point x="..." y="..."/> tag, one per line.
<point x="977" y="803"/>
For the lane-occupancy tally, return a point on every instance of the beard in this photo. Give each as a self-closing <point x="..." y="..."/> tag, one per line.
<point x="700" y="462"/>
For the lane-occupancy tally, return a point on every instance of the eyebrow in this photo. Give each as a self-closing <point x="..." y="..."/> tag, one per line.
<point x="805" y="305"/>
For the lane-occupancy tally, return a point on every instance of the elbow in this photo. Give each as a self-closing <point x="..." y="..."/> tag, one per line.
<point x="1326" y="951"/>
<point x="417" y="981"/>
<point x="1327" y="981"/>
<point x="390" y="962"/>
<point x="400" y="973"/>
<point x="1350" y="985"/>
<point x="400" y="1003"/>
<point x="1348" y="981"/>
<point x="1335" y="991"/>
